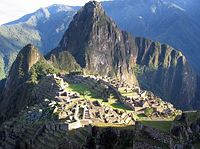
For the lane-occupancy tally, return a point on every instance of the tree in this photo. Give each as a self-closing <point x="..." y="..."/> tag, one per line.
<point x="41" y="69"/>
<point x="86" y="93"/>
<point x="148" y="112"/>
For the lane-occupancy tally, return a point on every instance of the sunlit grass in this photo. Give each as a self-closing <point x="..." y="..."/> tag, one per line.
<point x="101" y="124"/>
<point x="93" y="95"/>
<point x="127" y="93"/>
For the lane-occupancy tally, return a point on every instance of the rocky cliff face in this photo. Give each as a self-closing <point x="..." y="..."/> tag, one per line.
<point x="16" y="91"/>
<point x="100" y="47"/>
<point x="166" y="71"/>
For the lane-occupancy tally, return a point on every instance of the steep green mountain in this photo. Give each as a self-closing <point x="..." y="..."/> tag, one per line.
<point x="26" y="70"/>
<point x="65" y="61"/>
<point x="43" y="28"/>
<point x="99" y="47"/>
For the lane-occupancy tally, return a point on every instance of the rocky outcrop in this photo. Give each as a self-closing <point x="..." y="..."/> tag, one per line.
<point x="16" y="92"/>
<point x="185" y="130"/>
<point x="97" y="44"/>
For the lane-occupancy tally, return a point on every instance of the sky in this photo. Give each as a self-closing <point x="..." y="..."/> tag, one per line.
<point x="13" y="9"/>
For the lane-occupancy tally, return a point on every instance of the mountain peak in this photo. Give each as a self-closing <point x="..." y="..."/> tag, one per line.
<point x="97" y="44"/>
<point x="15" y="82"/>
<point x="93" y="7"/>
<point x="27" y="57"/>
<point x="30" y="54"/>
<point x="93" y="4"/>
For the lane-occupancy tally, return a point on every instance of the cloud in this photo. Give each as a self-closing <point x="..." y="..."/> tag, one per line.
<point x="13" y="9"/>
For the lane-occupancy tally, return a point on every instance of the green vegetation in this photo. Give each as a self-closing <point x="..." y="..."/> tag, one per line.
<point x="40" y="69"/>
<point x="142" y="70"/>
<point x="90" y="94"/>
<point x="148" y="112"/>
<point x="121" y="127"/>
<point x="21" y="71"/>
<point x="2" y="65"/>
<point x="192" y="116"/>
<point x="162" y="125"/>
<point x="126" y="93"/>
<point x="188" y="118"/>
<point x="66" y="62"/>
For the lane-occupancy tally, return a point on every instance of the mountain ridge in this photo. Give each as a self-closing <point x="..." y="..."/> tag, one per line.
<point x="154" y="26"/>
<point x="91" y="31"/>
<point x="17" y="92"/>
<point x="32" y="29"/>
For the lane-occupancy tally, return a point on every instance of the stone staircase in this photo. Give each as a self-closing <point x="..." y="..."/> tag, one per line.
<point x="86" y="113"/>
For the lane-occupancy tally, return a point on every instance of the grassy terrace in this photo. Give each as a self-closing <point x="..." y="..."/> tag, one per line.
<point x="128" y="93"/>
<point x="114" y="126"/>
<point x="162" y="125"/>
<point x="92" y="95"/>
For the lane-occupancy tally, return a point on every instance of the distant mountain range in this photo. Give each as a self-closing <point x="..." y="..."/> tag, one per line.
<point x="174" y="22"/>
<point x="43" y="28"/>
